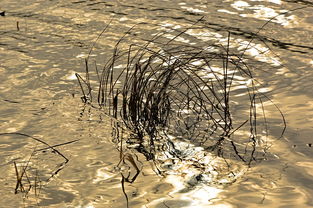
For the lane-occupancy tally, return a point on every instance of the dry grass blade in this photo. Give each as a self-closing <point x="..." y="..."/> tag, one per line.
<point x="124" y="192"/>
<point x="38" y="140"/>
<point x="19" y="183"/>
<point x="57" y="145"/>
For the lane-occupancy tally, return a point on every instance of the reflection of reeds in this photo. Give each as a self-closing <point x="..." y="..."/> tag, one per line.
<point x="170" y="88"/>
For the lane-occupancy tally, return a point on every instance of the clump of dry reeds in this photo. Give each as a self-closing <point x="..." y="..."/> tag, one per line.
<point x="171" y="88"/>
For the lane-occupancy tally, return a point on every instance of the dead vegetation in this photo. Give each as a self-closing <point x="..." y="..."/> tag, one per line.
<point x="30" y="175"/>
<point x="167" y="88"/>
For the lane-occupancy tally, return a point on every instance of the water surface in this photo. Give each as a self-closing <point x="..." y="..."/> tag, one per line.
<point x="44" y="43"/>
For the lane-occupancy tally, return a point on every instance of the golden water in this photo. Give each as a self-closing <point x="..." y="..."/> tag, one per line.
<point x="44" y="43"/>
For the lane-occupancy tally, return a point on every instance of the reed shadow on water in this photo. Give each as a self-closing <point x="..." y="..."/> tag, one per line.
<point x="169" y="92"/>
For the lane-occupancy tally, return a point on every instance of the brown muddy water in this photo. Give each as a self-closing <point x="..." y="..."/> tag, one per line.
<point x="44" y="43"/>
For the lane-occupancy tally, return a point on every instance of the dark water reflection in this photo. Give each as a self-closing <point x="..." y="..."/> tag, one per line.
<point x="42" y="46"/>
